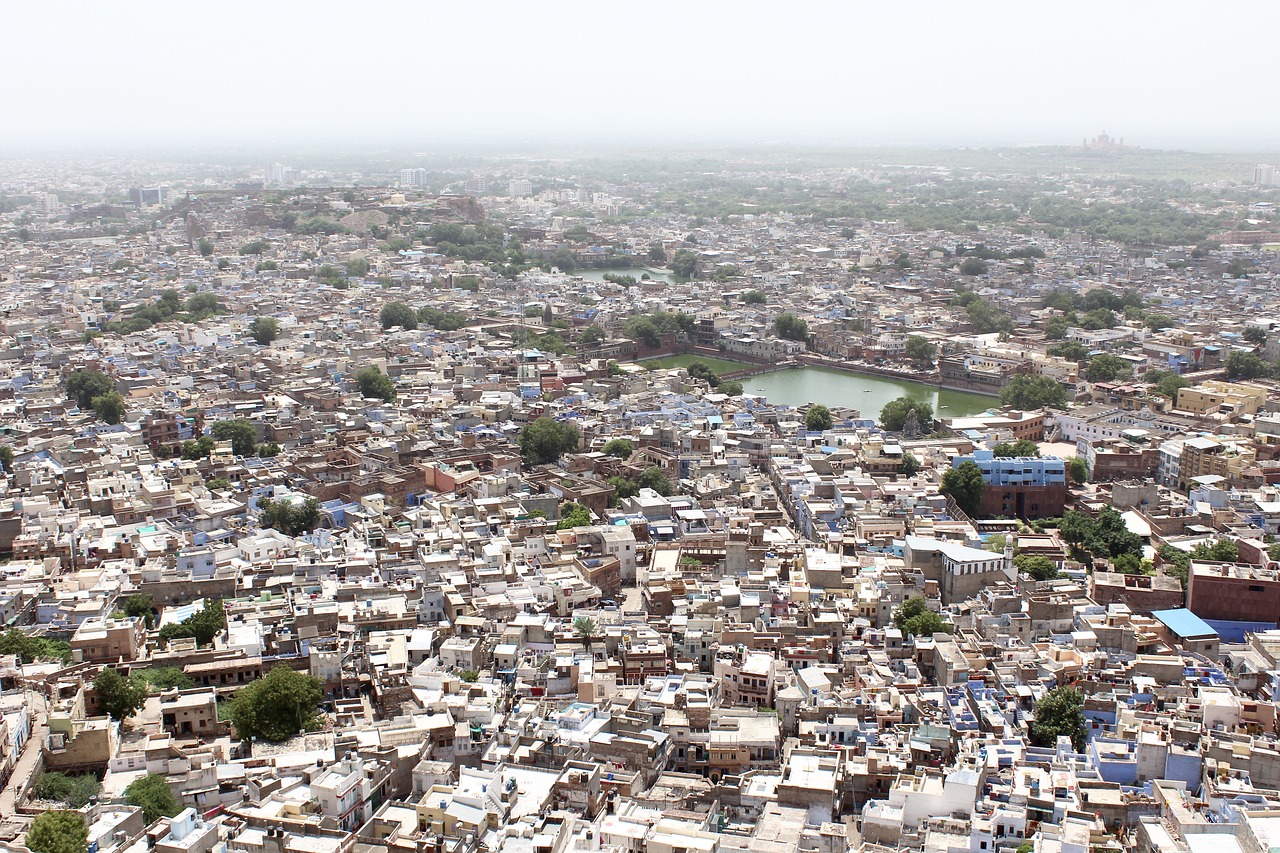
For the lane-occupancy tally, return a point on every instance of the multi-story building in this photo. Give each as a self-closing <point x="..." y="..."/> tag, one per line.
<point x="1021" y="487"/>
<point x="1233" y="592"/>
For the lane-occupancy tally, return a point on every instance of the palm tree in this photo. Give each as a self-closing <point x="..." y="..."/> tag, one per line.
<point x="585" y="628"/>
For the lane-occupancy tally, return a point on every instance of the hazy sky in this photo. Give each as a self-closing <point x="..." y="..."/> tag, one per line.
<point x="1160" y="74"/>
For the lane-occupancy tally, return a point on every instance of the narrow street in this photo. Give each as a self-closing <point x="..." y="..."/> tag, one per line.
<point x="30" y="755"/>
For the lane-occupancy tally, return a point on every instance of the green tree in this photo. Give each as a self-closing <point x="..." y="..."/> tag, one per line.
<point x="276" y="707"/>
<point x="6" y="457"/>
<point x="1060" y="712"/>
<point x="375" y="385"/>
<point x="398" y="314"/>
<point x="152" y="794"/>
<point x="1255" y="335"/>
<point x="684" y="263"/>
<point x="915" y="619"/>
<point x="920" y="349"/>
<point x="290" y="517"/>
<point x="585" y="629"/>
<point x="241" y="433"/>
<point x="1070" y="350"/>
<point x="700" y="370"/>
<point x="754" y="297"/>
<point x="591" y="335"/>
<point x="653" y="478"/>
<point x="790" y="327"/>
<point x="264" y="329"/>
<point x="1246" y="365"/>
<point x="164" y="678"/>
<point x="973" y="266"/>
<point x="202" y="626"/>
<point x="198" y="449"/>
<point x="1106" y="368"/>
<point x="74" y="791"/>
<point x="620" y="448"/>
<point x="58" y="832"/>
<point x="109" y="407"/>
<point x="358" y="268"/>
<point x="573" y="515"/>
<point x="30" y="649"/>
<point x="1217" y="551"/>
<point x="1166" y="382"/>
<point x="203" y="305"/>
<point x="1033" y="392"/>
<point x="893" y="416"/>
<point x="965" y="485"/>
<point x="1099" y="318"/>
<point x="84" y="385"/>
<point x="818" y="418"/>
<point x="140" y="606"/>
<point x="206" y="246"/>
<point x="731" y="387"/>
<point x="120" y="697"/>
<point x="1077" y="470"/>
<point x="546" y="440"/>
<point x="910" y="465"/>
<point x="1040" y="568"/>
<point x="1179" y="562"/>
<point x="1021" y="448"/>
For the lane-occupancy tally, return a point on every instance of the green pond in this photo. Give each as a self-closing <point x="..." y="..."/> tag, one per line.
<point x="868" y="394"/>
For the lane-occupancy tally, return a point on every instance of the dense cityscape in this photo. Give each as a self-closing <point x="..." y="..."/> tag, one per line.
<point x="760" y="499"/>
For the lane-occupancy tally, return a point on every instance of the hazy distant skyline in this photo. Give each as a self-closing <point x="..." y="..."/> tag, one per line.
<point x="1161" y="75"/>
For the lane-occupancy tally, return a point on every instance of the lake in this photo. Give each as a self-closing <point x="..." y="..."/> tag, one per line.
<point x="635" y="272"/>
<point x="867" y="394"/>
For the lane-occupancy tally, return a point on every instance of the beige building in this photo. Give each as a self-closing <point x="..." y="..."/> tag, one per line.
<point x="1217" y="397"/>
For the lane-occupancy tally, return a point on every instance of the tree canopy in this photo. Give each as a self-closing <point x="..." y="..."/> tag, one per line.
<point x="1033" y="392"/>
<point x="276" y="707"/>
<point x="1039" y="567"/>
<point x="546" y="440"/>
<point x="152" y="794"/>
<point x="914" y="618"/>
<point x="1107" y="368"/>
<point x="818" y="418"/>
<point x="264" y="330"/>
<point x="920" y="349"/>
<point x="290" y="517"/>
<point x="58" y="831"/>
<point x="84" y="385"/>
<point x="241" y="433"/>
<point x="376" y="385"/>
<point x="1105" y="536"/>
<point x="1166" y="382"/>
<point x="398" y="314"/>
<point x="621" y="448"/>
<point x="789" y="326"/>
<point x="1059" y="712"/>
<point x="120" y="697"/>
<point x="109" y="407"/>
<point x="74" y="791"/>
<point x="203" y="625"/>
<point x="893" y="416"/>
<point x="573" y="515"/>
<point x="684" y="263"/>
<point x="1021" y="448"/>
<point x="965" y="485"/>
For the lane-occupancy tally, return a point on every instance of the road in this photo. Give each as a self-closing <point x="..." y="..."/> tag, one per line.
<point x="30" y="754"/>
